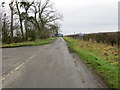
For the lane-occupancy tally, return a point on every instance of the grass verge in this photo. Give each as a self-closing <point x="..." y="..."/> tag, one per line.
<point x="102" y="58"/>
<point x="29" y="43"/>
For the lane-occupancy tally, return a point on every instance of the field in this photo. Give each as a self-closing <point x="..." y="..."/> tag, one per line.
<point x="101" y="57"/>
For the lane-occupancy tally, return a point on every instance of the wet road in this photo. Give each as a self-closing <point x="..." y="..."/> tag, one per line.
<point x="47" y="66"/>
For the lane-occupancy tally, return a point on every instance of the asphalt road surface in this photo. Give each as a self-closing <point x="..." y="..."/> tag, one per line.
<point x="46" y="66"/>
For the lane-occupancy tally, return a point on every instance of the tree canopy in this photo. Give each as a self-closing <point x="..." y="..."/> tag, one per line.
<point x="30" y="21"/>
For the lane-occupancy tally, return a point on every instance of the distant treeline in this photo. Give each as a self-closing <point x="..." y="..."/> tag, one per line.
<point x="112" y="38"/>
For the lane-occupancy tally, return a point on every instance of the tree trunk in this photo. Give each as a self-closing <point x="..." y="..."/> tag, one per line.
<point x="11" y="26"/>
<point x="26" y="29"/>
<point x="26" y="25"/>
<point x="21" y="26"/>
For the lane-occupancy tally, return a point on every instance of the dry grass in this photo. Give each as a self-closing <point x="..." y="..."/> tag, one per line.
<point x="101" y="57"/>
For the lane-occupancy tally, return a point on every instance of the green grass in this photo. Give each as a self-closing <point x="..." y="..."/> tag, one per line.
<point x="100" y="57"/>
<point x="29" y="43"/>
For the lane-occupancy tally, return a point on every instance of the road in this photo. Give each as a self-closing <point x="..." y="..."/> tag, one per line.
<point x="46" y="66"/>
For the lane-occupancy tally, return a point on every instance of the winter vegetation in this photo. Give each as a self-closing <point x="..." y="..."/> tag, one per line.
<point x="29" y="21"/>
<point x="29" y="43"/>
<point x="111" y="38"/>
<point x="101" y="57"/>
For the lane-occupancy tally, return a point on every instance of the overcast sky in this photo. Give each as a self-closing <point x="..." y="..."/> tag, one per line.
<point x="87" y="16"/>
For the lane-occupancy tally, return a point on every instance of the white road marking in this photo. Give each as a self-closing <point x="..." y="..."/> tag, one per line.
<point x="3" y="79"/>
<point x="17" y="68"/>
<point x="11" y="71"/>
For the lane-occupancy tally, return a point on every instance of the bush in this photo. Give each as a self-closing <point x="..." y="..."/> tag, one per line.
<point x="112" y="38"/>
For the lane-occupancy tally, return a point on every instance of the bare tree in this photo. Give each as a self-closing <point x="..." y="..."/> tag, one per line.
<point x="11" y="5"/>
<point x="39" y="20"/>
<point x="26" y="5"/>
<point x="46" y="15"/>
